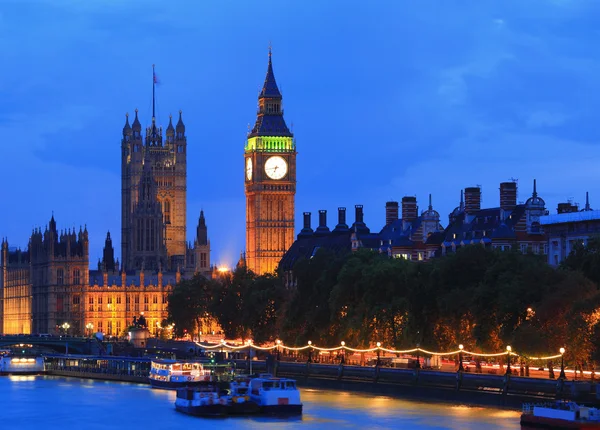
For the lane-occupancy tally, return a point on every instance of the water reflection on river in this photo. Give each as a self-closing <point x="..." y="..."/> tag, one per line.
<point x="66" y="403"/>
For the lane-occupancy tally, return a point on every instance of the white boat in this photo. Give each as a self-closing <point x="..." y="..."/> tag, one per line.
<point x="21" y="365"/>
<point x="275" y="395"/>
<point x="173" y="374"/>
<point x="559" y="416"/>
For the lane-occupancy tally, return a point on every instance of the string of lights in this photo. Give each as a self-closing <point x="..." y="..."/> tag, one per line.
<point x="279" y="345"/>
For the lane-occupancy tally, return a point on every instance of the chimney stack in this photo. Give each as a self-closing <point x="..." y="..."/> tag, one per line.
<point x="409" y="209"/>
<point x="391" y="212"/>
<point x="472" y="199"/>
<point x="358" y="211"/>
<point x="342" y="217"/>
<point x="564" y="208"/>
<point x="306" y="230"/>
<point x="322" y="229"/>
<point x="508" y="196"/>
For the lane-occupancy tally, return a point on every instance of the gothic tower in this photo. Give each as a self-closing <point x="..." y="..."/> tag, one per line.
<point x="270" y="182"/>
<point x="167" y="160"/>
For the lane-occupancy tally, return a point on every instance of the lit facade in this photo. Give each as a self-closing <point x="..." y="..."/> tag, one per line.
<point x="270" y="182"/>
<point x="568" y="227"/>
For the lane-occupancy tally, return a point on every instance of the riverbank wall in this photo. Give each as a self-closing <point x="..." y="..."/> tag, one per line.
<point x="461" y="387"/>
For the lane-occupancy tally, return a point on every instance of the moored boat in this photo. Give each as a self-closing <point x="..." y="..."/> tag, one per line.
<point x="21" y="365"/>
<point x="559" y="416"/>
<point x="173" y="374"/>
<point x="275" y="396"/>
<point x="201" y="401"/>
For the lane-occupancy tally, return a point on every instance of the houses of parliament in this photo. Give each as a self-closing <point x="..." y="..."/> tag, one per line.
<point x="51" y="283"/>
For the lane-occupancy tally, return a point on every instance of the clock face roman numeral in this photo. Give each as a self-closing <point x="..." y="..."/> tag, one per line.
<point x="249" y="169"/>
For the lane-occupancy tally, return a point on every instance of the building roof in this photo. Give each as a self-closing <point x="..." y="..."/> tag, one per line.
<point x="97" y="278"/>
<point x="570" y="217"/>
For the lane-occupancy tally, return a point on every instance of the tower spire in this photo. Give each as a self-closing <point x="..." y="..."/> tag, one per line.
<point x="534" y="188"/>
<point x="430" y="205"/>
<point x="153" y="102"/>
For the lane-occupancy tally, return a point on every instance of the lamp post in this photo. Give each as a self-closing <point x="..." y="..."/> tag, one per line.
<point x="310" y="351"/>
<point x="89" y="326"/>
<point x="418" y="364"/>
<point x="508" y="350"/>
<point x="343" y="360"/>
<point x="66" y="327"/>
<point x="460" y="360"/>
<point x="562" y="364"/>
<point x="378" y="352"/>
<point x="249" y="355"/>
<point x="278" y="352"/>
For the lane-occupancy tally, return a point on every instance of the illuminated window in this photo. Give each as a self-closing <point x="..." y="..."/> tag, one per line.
<point x="91" y="300"/>
<point x="164" y="300"/>
<point x="421" y="256"/>
<point x="99" y="325"/>
<point x="75" y="300"/>
<point x="136" y="299"/>
<point x="100" y="300"/>
<point x="118" y="300"/>
<point x="167" y="210"/>
<point x="110" y="300"/>
<point x="145" y="300"/>
<point x="155" y="299"/>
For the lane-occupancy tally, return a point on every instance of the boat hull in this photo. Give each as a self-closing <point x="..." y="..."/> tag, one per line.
<point x="216" y="410"/>
<point x="245" y="408"/>
<point x="531" y="422"/>
<point x="24" y="373"/>
<point x="286" y="410"/>
<point x="168" y="385"/>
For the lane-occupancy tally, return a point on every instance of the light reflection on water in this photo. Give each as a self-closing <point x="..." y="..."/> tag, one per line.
<point x="64" y="403"/>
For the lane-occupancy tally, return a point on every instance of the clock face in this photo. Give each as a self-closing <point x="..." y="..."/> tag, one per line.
<point x="249" y="169"/>
<point x="276" y="167"/>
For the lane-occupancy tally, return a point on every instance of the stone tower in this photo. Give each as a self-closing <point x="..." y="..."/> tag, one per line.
<point x="168" y="164"/>
<point x="270" y="182"/>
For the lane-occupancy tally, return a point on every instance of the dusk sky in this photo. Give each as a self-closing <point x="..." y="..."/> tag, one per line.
<point x="386" y="98"/>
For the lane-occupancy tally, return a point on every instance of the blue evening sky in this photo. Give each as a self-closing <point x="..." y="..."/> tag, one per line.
<point x="387" y="99"/>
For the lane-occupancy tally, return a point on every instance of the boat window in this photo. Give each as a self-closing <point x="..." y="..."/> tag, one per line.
<point x="290" y="384"/>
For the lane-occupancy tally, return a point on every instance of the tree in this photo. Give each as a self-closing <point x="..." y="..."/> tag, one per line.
<point x="189" y="302"/>
<point x="227" y="304"/>
<point x="585" y="259"/>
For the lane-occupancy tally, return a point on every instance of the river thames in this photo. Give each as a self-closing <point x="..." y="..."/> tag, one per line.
<point x="28" y="402"/>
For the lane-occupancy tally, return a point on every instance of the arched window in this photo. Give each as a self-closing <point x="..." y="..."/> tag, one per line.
<point x="76" y="277"/>
<point x="60" y="276"/>
<point x="167" y="212"/>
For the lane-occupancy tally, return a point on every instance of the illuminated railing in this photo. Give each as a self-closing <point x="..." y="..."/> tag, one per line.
<point x="279" y="345"/>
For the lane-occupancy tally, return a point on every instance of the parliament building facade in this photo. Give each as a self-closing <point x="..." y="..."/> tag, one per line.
<point x="49" y="287"/>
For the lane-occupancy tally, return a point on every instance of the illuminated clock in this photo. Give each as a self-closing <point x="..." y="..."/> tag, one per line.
<point x="276" y="167"/>
<point x="249" y="169"/>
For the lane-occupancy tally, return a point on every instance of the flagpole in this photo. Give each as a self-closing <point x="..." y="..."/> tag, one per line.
<point x="153" y="87"/>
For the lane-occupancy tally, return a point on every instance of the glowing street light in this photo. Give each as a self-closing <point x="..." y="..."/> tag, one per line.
<point x="562" y="364"/>
<point x="378" y="354"/>
<point x="508" y="350"/>
<point x="310" y="350"/>
<point x="460" y="359"/>
<point x="66" y="327"/>
<point x="89" y="326"/>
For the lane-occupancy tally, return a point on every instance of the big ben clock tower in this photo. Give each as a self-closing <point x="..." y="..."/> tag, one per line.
<point x="270" y="178"/>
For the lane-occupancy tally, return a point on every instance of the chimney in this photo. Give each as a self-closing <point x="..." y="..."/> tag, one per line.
<point x="409" y="209"/>
<point x="391" y="212"/>
<point x="306" y="229"/>
<point x="564" y="208"/>
<point x="342" y="217"/>
<point x="472" y="199"/>
<point x="322" y="229"/>
<point x="508" y="196"/>
<point x="358" y="211"/>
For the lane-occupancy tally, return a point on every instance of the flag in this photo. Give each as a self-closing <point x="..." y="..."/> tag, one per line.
<point x="156" y="81"/>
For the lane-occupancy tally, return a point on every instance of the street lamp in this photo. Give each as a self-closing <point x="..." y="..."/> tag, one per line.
<point x="378" y="352"/>
<point x="418" y="365"/>
<point x="310" y="351"/>
<point x="249" y="342"/>
<point x="66" y="327"/>
<point x="508" y="350"/>
<point x="89" y="327"/>
<point x="562" y="364"/>
<point x="343" y="360"/>
<point x="460" y="360"/>
<point x="278" y="342"/>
